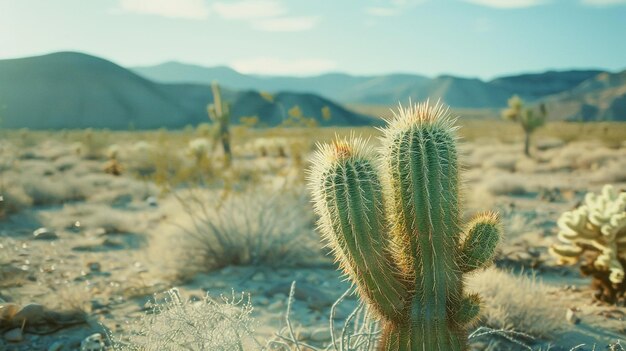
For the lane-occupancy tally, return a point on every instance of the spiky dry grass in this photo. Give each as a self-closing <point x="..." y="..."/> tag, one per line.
<point x="518" y="302"/>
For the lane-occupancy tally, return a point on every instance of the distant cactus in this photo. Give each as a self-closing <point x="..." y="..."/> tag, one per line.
<point x="219" y="112"/>
<point x="113" y="166"/>
<point x="529" y="119"/>
<point x="599" y="225"/>
<point x="199" y="148"/>
<point x="395" y="228"/>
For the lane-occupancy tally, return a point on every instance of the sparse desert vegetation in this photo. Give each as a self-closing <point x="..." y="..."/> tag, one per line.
<point x="105" y="243"/>
<point x="75" y="237"/>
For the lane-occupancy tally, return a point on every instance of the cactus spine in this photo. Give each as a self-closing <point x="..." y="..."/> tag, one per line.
<point x="219" y="113"/>
<point x="395" y="229"/>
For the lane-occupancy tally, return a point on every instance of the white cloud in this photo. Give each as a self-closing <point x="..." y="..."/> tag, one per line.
<point x="189" y="9"/>
<point x="392" y="7"/>
<point x="275" y="66"/>
<point x="507" y="4"/>
<point x="603" y="3"/>
<point x="285" y="24"/>
<point x="249" y="9"/>
<point x="382" y="11"/>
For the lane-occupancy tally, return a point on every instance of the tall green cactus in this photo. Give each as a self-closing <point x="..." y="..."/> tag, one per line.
<point x="394" y="227"/>
<point x="219" y="113"/>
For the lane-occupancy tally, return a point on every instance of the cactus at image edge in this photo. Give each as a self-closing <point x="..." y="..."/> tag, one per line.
<point x="394" y="227"/>
<point x="219" y="113"/>
<point x="598" y="224"/>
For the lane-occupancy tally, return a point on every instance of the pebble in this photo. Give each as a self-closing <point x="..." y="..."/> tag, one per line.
<point x="94" y="266"/>
<point x="14" y="335"/>
<point x="152" y="201"/>
<point x="93" y="342"/>
<point x="45" y="234"/>
<point x="258" y="277"/>
<point x="571" y="317"/>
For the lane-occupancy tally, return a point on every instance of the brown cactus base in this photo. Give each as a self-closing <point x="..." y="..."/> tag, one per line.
<point x="603" y="289"/>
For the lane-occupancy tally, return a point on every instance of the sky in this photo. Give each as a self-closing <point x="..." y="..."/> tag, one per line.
<point x="471" y="38"/>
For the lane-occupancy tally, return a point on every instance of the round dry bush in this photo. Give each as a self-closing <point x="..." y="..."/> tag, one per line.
<point x="499" y="183"/>
<point x="176" y="325"/>
<point x="613" y="172"/>
<point x="505" y="162"/>
<point x="207" y="230"/>
<point x="13" y="199"/>
<point x="519" y="303"/>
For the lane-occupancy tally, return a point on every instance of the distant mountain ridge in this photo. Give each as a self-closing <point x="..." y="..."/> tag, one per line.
<point x="580" y="95"/>
<point x="383" y="89"/>
<point x="75" y="90"/>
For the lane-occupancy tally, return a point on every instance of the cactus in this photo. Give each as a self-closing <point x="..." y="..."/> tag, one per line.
<point x="599" y="225"/>
<point x="394" y="227"/>
<point x="219" y="113"/>
<point x="527" y="118"/>
<point x="113" y="166"/>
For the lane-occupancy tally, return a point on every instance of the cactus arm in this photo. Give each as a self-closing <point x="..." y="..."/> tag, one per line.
<point x="480" y="243"/>
<point x="348" y="198"/>
<point x="217" y="98"/>
<point x="468" y="311"/>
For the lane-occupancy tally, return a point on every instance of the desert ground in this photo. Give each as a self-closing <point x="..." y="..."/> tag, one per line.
<point x="168" y="250"/>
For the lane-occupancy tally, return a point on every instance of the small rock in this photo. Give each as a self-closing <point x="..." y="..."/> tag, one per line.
<point x="94" y="266"/>
<point x="93" y="342"/>
<point x="152" y="201"/>
<point x="258" y="277"/>
<point x="45" y="234"/>
<point x="14" y="335"/>
<point x="56" y="346"/>
<point x="571" y="317"/>
<point x="32" y="313"/>
<point x="320" y="335"/>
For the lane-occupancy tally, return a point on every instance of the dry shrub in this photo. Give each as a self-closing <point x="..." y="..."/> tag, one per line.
<point x="505" y="162"/>
<point x="13" y="199"/>
<point x="499" y="183"/>
<point x="117" y="189"/>
<point x="613" y="172"/>
<point x="582" y="155"/>
<point x="256" y="226"/>
<point x="176" y="324"/>
<point x="597" y="158"/>
<point x="55" y="189"/>
<point x="518" y="303"/>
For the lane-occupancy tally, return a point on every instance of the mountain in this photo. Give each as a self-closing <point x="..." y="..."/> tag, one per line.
<point x="339" y="86"/>
<point x="68" y="89"/>
<point x="537" y="85"/>
<point x="75" y="90"/>
<point x="458" y="92"/>
<point x="600" y="98"/>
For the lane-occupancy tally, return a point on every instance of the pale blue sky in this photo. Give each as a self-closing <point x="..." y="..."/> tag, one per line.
<point x="481" y="38"/>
